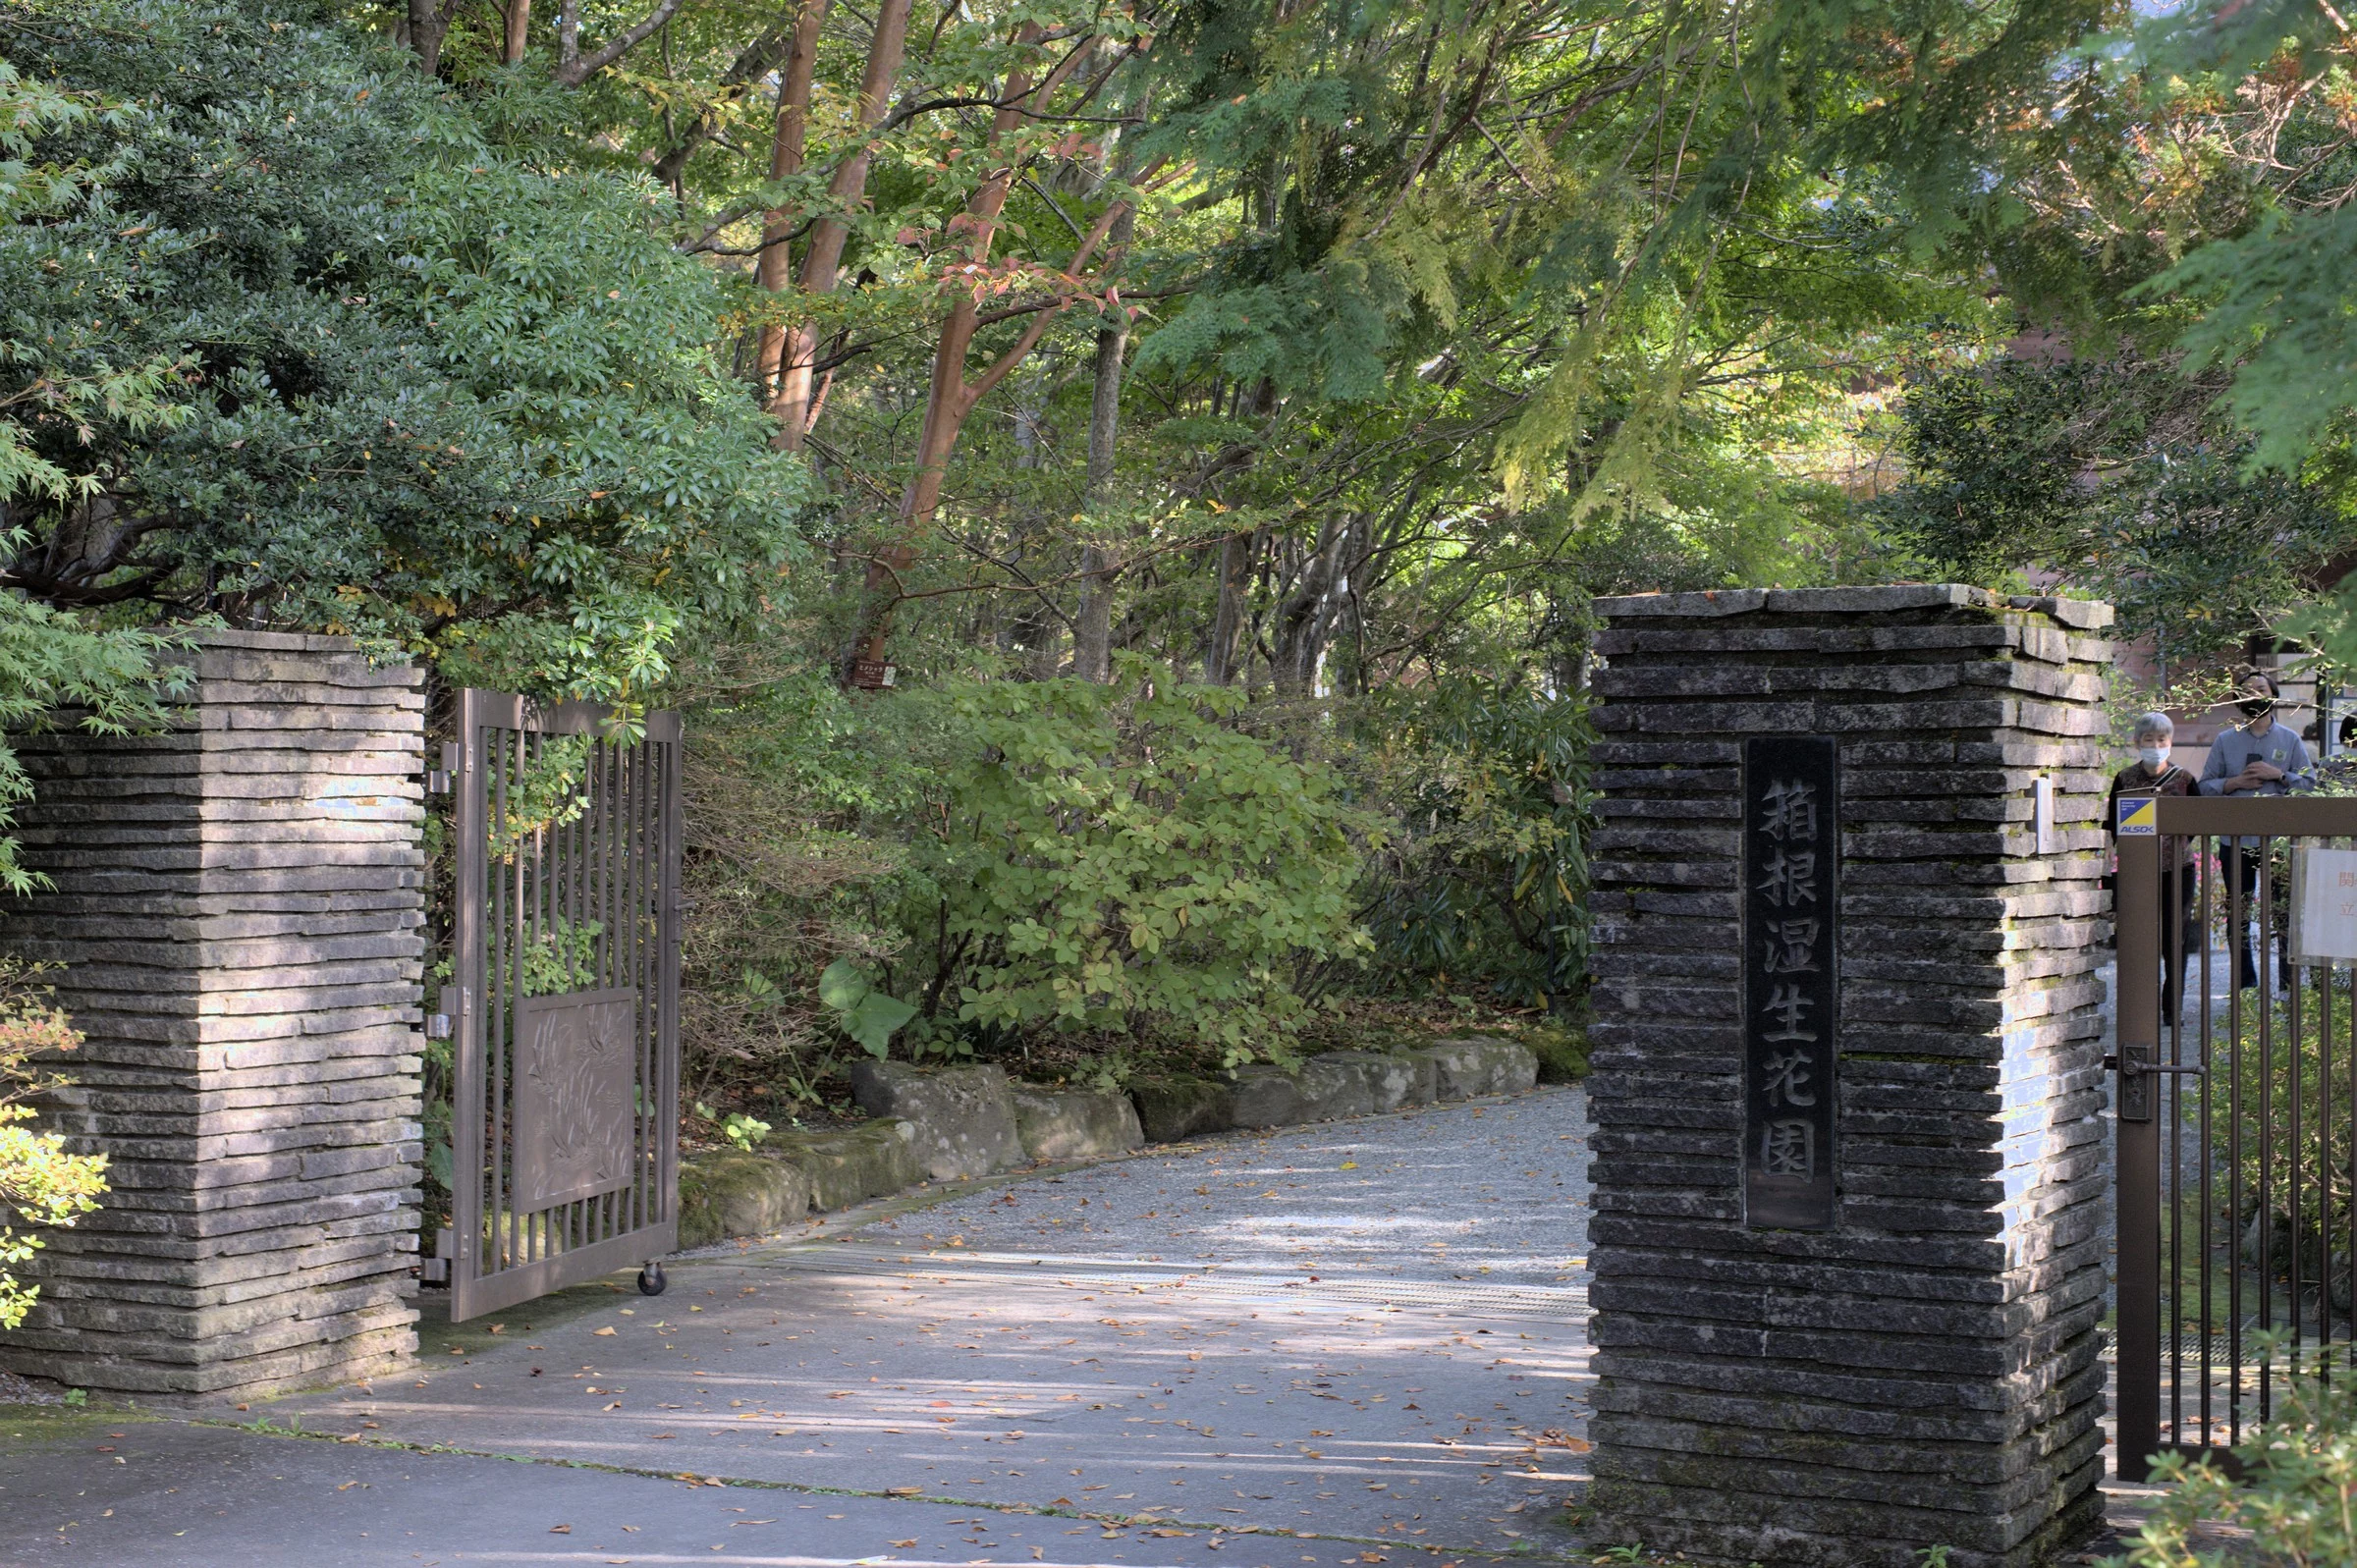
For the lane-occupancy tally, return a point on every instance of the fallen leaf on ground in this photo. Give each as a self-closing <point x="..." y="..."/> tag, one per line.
<point x="607" y="1332"/>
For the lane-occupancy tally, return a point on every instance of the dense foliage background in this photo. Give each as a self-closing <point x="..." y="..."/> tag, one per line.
<point x="1211" y="417"/>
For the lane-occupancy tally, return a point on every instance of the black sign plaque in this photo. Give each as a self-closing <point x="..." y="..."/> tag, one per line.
<point x="1791" y="853"/>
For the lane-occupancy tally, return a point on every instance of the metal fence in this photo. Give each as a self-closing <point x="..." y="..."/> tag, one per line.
<point x="2237" y="1113"/>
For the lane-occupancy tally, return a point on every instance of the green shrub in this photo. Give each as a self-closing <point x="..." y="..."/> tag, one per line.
<point x="40" y="1184"/>
<point x="1118" y="858"/>
<point x="2298" y="1497"/>
<point x="342" y="351"/>
<point x="1485" y="880"/>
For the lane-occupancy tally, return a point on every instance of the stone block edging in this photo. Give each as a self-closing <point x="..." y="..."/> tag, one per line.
<point x="945" y="1124"/>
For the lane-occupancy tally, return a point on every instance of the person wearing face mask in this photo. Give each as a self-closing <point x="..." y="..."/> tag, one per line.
<point x="2257" y="757"/>
<point x="2152" y="774"/>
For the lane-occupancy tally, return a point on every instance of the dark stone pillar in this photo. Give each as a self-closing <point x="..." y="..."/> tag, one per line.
<point x="1788" y="1377"/>
<point x="236" y="905"/>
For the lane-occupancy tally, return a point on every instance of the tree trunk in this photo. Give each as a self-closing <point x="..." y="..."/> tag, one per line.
<point x="1038" y="626"/>
<point x="1235" y="559"/>
<point x="950" y="396"/>
<point x="1305" y="617"/>
<point x="515" y="30"/>
<point x="1092" y="632"/>
<point x="775" y="271"/>
<point x="1228" y="610"/>
<point x="1093" y="639"/>
<point x="822" y="262"/>
<point x="429" y="26"/>
<point x="573" y="66"/>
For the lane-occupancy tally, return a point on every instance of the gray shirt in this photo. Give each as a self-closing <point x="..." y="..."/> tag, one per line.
<point x="2235" y="747"/>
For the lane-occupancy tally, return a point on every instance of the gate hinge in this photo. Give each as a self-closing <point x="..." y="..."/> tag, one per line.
<point x="437" y="779"/>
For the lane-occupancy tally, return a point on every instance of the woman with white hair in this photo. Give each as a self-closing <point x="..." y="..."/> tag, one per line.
<point x="2152" y="774"/>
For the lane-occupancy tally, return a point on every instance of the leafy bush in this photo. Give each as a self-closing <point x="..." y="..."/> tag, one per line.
<point x="860" y="1010"/>
<point x="1485" y="880"/>
<point x="41" y="1184"/>
<point x="797" y="861"/>
<point x="1120" y="858"/>
<point x="2298" y="1499"/>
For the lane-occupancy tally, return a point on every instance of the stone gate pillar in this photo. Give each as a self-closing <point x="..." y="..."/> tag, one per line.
<point x="1848" y="1237"/>
<point x="236" y="905"/>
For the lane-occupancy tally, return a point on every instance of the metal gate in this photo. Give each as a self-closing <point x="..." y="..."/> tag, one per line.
<point x="2237" y="1114"/>
<point x="565" y="1001"/>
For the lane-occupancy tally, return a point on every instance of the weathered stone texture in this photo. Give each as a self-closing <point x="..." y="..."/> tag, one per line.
<point x="1466" y="1069"/>
<point x="1170" y="1110"/>
<point x="1059" y="1125"/>
<point x="1927" y="1373"/>
<point x="872" y="1161"/>
<point x="963" y="1117"/>
<point x="238" y="905"/>
<point x="724" y="1193"/>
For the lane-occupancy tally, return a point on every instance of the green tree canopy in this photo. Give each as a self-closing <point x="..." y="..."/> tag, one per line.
<point x="427" y="385"/>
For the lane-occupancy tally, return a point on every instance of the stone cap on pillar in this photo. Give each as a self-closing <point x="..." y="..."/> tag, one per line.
<point x="1891" y="598"/>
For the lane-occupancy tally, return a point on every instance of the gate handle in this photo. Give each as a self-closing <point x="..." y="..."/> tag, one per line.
<point x="2137" y="1069"/>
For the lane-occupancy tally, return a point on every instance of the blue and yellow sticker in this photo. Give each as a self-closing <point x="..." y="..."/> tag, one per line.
<point x="2137" y="818"/>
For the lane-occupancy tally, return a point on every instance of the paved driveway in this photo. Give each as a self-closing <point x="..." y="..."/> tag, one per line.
<point x="1330" y="1344"/>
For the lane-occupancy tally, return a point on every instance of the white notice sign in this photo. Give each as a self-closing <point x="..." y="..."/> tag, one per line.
<point x="2324" y="910"/>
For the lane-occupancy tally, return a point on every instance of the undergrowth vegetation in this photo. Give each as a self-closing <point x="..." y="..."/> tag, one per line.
<point x="1082" y="878"/>
<point x="43" y="1185"/>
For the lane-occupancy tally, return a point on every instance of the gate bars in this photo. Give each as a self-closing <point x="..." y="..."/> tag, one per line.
<point x="2237" y="1124"/>
<point x="566" y="1013"/>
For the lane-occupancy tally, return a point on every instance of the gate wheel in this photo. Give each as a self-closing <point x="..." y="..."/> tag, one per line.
<point x="651" y="1280"/>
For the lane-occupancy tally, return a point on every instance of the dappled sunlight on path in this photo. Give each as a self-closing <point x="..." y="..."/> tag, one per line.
<point x="1369" y="1330"/>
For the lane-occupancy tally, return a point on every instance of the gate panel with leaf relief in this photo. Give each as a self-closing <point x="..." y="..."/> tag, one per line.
<point x="563" y="1001"/>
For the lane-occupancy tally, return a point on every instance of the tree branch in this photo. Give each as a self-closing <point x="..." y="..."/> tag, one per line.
<point x="1038" y="327"/>
<point x="573" y="68"/>
<point x="756" y="61"/>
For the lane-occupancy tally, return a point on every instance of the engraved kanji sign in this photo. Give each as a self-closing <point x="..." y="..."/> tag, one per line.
<point x="1791" y="848"/>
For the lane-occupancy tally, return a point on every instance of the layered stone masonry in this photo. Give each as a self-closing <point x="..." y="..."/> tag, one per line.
<point x="1925" y="1372"/>
<point x="238" y="906"/>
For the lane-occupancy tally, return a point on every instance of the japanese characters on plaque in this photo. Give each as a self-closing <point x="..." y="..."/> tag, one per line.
<point x="1791" y="849"/>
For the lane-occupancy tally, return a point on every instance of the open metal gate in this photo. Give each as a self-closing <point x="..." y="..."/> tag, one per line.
<point x="2237" y="1114"/>
<point x="564" y="997"/>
